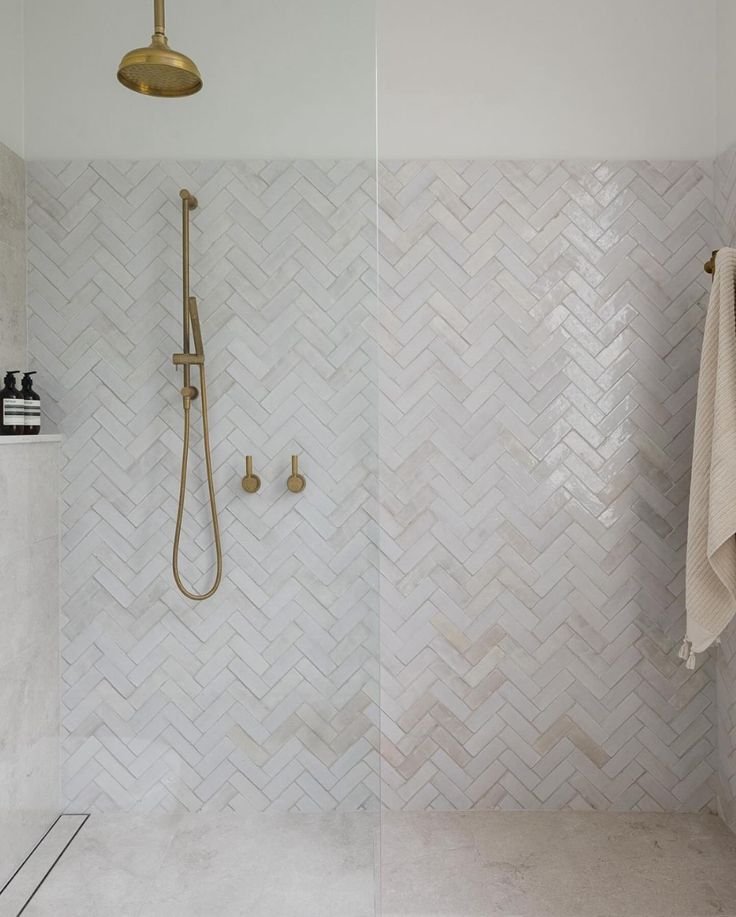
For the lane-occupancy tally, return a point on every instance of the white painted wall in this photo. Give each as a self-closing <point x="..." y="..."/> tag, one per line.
<point x="531" y="78"/>
<point x="726" y="30"/>
<point x="11" y="74"/>
<point x="465" y="78"/>
<point x="281" y="78"/>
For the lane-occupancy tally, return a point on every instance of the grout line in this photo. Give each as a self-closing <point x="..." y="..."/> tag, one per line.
<point x="64" y="849"/>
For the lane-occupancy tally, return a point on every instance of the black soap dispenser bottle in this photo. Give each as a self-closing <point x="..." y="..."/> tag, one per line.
<point x="12" y="407"/>
<point x="31" y="405"/>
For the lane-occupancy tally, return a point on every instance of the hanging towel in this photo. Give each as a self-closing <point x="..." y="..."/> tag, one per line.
<point x="710" y="577"/>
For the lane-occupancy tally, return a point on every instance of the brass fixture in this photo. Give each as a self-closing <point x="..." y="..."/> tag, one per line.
<point x="190" y="320"/>
<point x="297" y="482"/>
<point x="251" y="482"/>
<point x="158" y="70"/>
<point x="710" y="265"/>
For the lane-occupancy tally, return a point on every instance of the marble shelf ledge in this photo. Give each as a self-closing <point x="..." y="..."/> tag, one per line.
<point x="39" y="438"/>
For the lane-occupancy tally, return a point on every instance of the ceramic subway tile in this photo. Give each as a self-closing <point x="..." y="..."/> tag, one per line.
<point x="285" y="325"/>
<point x="514" y="464"/>
<point x="525" y="367"/>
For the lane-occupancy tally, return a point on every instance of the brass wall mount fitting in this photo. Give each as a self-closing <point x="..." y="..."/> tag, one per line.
<point x="251" y="482"/>
<point x="297" y="482"/>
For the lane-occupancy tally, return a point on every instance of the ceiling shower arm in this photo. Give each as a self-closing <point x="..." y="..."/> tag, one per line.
<point x="159" y="19"/>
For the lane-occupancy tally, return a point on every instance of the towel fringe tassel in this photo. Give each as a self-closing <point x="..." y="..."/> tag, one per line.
<point x="686" y="653"/>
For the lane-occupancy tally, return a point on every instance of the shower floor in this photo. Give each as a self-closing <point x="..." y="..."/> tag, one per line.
<point x="432" y="865"/>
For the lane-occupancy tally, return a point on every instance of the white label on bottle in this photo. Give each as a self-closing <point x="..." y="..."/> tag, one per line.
<point x="32" y="413"/>
<point x="13" y="412"/>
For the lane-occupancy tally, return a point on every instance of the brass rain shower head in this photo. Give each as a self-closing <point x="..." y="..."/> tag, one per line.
<point x="158" y="70"/>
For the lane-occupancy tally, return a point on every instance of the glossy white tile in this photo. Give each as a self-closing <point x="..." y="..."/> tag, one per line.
<point x="538" y="349"/>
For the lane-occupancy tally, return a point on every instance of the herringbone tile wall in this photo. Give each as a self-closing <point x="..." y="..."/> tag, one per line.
<point x="541" y="325"/>
<point x="725" y="196"/>
<point x="264" y="696"/>
<point x="538" y="343"/>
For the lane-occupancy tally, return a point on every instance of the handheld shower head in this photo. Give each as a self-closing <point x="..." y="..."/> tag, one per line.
<point x="158" y="70"/>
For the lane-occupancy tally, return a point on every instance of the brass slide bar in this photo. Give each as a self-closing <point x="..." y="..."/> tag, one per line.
<point x="186" y="359"/>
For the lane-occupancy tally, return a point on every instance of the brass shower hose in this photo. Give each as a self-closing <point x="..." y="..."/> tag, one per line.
<point x="190" y="320"/>
<point x="183" y="490"/>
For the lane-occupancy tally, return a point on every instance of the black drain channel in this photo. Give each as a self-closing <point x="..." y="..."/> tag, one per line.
<point x="58" y="818"/>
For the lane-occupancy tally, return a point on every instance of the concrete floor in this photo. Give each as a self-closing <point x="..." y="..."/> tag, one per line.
<point x="431" y="865"/>
<point x="556" y="864"/>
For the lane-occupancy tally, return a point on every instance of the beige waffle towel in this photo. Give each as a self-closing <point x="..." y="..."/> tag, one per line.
<point x="710" y="579"/>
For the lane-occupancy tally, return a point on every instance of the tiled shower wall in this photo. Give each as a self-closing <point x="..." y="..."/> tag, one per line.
<point x="542" y="328"/>
<point x="537" y="351"/>
<point x="725" y="196"/>
<point x="265" y="695"/>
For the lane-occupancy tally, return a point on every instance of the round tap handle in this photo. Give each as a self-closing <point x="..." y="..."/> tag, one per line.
<point x="297" y="482"/>
<point x="251" y="482"/>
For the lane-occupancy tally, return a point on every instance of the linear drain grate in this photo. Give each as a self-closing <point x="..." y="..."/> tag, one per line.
<point x="18" y="891"/>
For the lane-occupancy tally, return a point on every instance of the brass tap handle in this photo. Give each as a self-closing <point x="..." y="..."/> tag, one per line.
<point x="251" y="482"/>
<point x="297" y="482"/>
